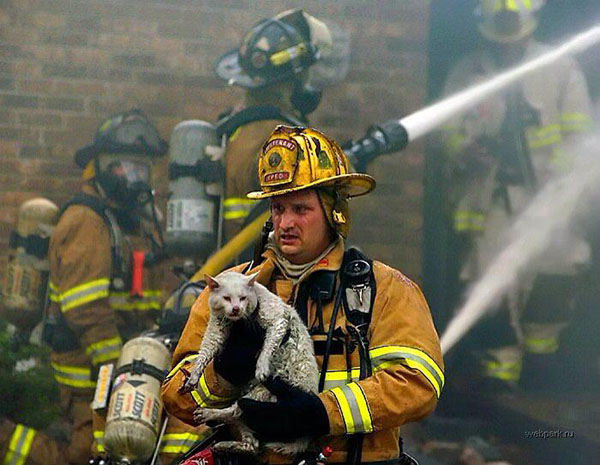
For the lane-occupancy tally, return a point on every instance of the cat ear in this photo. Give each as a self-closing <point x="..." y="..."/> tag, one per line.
<point x="252" y="279"/>
<point x="211" y="282"/>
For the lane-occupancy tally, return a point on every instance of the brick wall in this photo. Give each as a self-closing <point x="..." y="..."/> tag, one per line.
<point x="66" y="64"/>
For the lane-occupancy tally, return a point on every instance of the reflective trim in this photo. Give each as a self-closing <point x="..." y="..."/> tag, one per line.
<point x="575" y="122"/>
<point x="338" y="378"/>
<point x="546" y="345"/>
<point x="382" y="357"/>
<point x="99" y="438"/>
<point x="19" y="445"/>
<point x="455" y="142"/>
<point x="83" y="294"/>
<point x="123" y="301"/>
<point x="174" y="370"/>
<point x="538" y="137"/>
<point x="466" y="220"/>
<point x="354" y="408"/>
<point x="237" y="207"/>
<point x="204" y="398"/>
<point x="106" y="349"/>
<point x="73" y="376"/>
<point x="506" y="371"/>
<point x="52" y="292"/>
<point x="284" y="56"/>
<point x="511" y="5"/>
<point x="180" y="443"/>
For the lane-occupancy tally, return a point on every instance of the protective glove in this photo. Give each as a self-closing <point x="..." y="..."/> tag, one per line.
<point x="237" y="361"/>
<point x="295" y="414"/>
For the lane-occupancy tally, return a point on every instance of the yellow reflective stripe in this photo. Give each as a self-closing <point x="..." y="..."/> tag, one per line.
<point x="180" y="443"/>
<point x="123" y="301"/>
<point x="83" y="294"/>
<point x="237" y="207"/>
<point x="506" y="371"/>
<point x="345" y="409"/>
<point x="543" y="136"/>
<point x="383" y="357"/>
<point x="354" y="408"/>
<point x="19" y="445"/>
<point x="284" y="56"/>
<point x="73" y="376"/>
<point x="547" y="345"/>
<point x="575" y="116"/>
<point x="575" y="122"/>
<point x="99" y="437"/>
<point x="52" y="292"/>
<point x="466" y="220"/>
<point x="335" y="378"/>
<point x="174" y="370"/>
<point x="204" y="398"/>
<point x="106" y="349"/>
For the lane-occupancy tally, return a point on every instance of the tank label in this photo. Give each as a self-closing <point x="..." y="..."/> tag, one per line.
<point x="135" y="404"/>
<point x="195" y="215"/>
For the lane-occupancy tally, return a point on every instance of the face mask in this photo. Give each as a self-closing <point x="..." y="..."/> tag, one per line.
<point x="126" y="180"/>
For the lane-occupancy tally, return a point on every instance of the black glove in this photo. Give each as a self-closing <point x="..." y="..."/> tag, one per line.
<point x="295" y="414"/>
<point x="237" y="361"/>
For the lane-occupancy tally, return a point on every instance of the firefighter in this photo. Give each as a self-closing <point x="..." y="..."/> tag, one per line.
<point x="99" y="298"/>
<point x="271" y="65"/>
<point x="499" y="155"/>
<point x="375" y="341"/>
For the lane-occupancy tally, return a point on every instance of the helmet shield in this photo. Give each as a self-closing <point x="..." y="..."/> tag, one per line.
<point x="334" y="62"/>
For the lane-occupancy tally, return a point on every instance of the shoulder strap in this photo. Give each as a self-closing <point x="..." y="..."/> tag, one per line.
<point x="117" y="278"/>
<point x="228" y="125"/>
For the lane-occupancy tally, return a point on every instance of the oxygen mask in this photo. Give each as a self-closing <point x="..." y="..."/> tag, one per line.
<point x="125" y="179"/>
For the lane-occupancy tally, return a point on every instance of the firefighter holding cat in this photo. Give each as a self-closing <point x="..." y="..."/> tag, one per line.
<point x="374" y="338"/>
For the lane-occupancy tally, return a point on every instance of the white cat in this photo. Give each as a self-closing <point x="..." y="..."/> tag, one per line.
<point x="234" y="296"/>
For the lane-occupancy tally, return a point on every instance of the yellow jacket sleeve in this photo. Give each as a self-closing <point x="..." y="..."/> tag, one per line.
<point x="406" y="359"/>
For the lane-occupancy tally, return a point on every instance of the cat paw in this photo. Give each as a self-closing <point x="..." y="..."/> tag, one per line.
<point x="202" y="415"/>
<point x="262" y="370"/>
<point x="235" y="447"/>
<point x="288" y="448"/>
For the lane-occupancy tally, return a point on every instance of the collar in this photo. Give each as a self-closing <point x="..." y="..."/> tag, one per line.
<point x="330" y="261"/>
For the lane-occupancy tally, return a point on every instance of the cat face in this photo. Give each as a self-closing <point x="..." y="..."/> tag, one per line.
<point x="232" y="295"/>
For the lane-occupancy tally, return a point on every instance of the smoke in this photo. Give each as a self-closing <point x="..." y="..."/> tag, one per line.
<point x="555" y="209"/>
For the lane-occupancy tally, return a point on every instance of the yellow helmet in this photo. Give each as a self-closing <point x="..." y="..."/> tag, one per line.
<point x="506" y="21"/>
<point x="297" y="158"/>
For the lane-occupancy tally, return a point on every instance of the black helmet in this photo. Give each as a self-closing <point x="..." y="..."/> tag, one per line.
<point x="128" y="132"/>
<point x="274" y="50"/>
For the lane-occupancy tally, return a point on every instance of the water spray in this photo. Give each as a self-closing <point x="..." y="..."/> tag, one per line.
<point x="530" y="239"/>
<point x="394" y="135"/>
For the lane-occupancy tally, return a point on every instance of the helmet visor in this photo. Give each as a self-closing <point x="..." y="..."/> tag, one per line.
<point x="129" y="169"/>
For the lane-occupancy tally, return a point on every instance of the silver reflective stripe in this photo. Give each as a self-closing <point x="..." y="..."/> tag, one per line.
<point x="83" y="294"/>
<point x="354" y="408"/>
